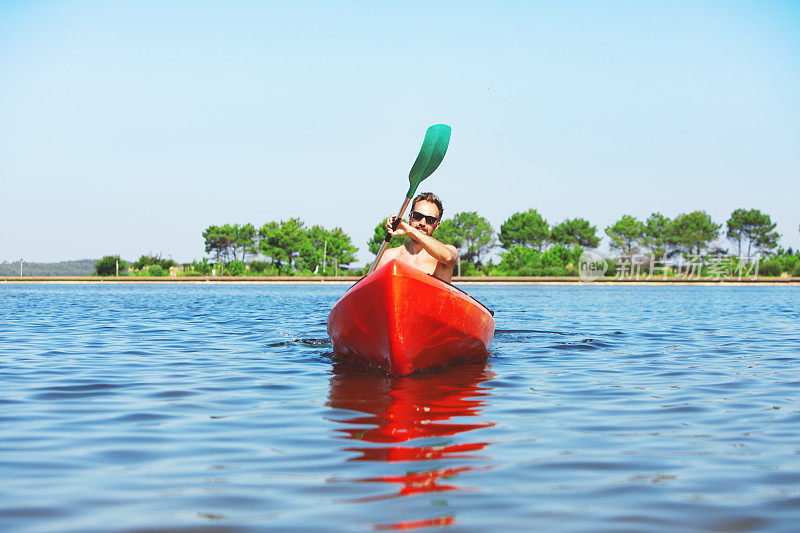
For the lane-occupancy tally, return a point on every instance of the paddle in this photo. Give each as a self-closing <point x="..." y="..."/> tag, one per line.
<point x="434" y="146"/>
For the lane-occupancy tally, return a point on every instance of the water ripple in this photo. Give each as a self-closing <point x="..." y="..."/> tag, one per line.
<point x="218" y="408"/>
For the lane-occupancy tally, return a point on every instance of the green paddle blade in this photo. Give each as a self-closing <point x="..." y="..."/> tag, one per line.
<point x="437" y="138"/>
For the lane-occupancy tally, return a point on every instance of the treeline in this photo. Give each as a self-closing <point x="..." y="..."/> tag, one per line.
<point x="146" y="265"/>
<point x="532" y="246"/>
<point x="80" y="267"/>
<point x="287" y="247"/>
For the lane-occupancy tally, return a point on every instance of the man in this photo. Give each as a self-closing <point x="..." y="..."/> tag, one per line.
<point x="423" y="251"/>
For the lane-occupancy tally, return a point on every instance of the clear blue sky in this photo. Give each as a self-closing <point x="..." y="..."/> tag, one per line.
<point x="129" y="127"/>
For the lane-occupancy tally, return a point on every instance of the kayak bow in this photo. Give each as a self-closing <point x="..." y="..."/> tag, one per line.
<point x="402" y="320"/>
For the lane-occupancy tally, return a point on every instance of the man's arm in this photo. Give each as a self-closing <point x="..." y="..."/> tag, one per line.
<point x="443" y="253"/>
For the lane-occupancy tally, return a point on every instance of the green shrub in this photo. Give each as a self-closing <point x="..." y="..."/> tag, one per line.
<point x="107" y="266"/>
<point x="769" y="268"/>
<point x="556" y="271"/>
<point x="361" y="271"/>
<point x="556" y="261"/>
<point x="145" y="261"/>
<point x="259" y="266"/>
<point x="789" y="263"/>
<point x="155" y="270"/>
<point x="518" y="256"/>
<point x="266" y="268"/>
<point x="197" y="268"/>
<point x="468" y="268"/>
<point x="234" y="268"/>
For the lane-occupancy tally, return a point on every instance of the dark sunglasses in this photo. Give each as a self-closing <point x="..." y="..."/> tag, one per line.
<point x="417" y="216"/>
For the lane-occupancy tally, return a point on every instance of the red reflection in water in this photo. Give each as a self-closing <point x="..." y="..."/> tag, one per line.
<point x="399" y="410"/>
<point x="414" y="524"/>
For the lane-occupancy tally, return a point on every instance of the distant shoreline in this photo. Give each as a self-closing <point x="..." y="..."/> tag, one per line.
<point x="346" y="280"/>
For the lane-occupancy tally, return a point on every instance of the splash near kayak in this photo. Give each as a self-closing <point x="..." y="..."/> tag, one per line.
<point x="403" y="320"/>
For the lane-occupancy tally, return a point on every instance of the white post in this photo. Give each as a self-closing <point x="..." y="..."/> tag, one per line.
<point x="116" y="267"/>
<point x="324" y="256"/>
<point x="335" y="266"/>
<point x="459" y="267"/>
<point x="20" y="268"/>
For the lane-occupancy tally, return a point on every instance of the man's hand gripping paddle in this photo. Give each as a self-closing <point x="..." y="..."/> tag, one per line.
<point x="437" y="138"/>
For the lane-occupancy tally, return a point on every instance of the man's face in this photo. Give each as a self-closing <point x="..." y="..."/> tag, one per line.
<point x="429" y="209"/>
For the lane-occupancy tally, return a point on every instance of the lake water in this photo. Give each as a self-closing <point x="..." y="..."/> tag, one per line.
<point x="217" y="407"/>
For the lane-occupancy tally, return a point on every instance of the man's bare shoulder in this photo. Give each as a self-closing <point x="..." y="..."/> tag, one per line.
<point x="389" y="254"/>
<point x="394" y="252"/>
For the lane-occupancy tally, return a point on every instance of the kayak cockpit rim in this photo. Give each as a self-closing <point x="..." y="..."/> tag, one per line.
<point x="443" y="281"/>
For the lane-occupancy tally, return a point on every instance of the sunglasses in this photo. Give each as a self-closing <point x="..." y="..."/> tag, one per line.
<point x="417" y="216"/>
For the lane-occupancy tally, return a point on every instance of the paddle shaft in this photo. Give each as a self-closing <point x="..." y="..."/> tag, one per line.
<point x="388" y="236"/>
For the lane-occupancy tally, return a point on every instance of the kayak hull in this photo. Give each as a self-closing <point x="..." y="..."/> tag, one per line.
<point x="403" y="320"/>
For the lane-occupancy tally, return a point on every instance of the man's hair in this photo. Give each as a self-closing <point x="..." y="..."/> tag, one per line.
<point x="429" y="197"/>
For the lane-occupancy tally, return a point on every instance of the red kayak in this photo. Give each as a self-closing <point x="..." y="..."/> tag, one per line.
<point x="402" y="320"/>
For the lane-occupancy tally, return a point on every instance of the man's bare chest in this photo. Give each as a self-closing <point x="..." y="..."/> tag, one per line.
<point x="421" y="261"/>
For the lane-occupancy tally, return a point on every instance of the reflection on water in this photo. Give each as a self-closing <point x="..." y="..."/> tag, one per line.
<point x="409" y="419"/>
